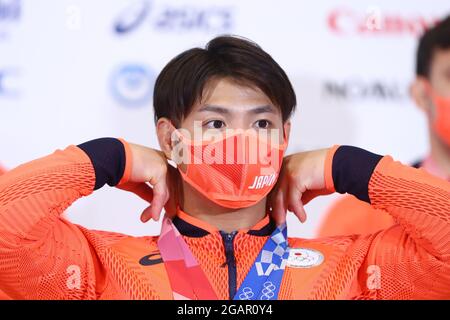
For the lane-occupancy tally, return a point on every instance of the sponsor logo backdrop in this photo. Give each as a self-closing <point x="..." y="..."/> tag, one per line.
<point x="71" y="71"/>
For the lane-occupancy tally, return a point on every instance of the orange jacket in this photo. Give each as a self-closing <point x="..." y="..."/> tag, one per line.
<point x="44" y="256"/>
<point x="3" y="295"/>
<point x="348" y="215"/>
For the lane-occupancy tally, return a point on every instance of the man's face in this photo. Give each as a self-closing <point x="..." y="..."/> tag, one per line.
<point x="427" y="92"/>
<point x="228" y="105"/>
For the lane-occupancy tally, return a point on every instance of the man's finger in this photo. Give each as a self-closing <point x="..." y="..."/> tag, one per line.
<point x="146" y="214"/>
<point x="175" y="190"/>
<point x="280" y="206"/>
<point x="160" y="197"/>
<point x="295" y="203"/>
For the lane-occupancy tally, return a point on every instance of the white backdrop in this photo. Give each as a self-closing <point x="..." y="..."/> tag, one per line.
<point x="71" y="71"/>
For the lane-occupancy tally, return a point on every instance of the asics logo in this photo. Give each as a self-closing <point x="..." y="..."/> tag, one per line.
<point x="151" y="259"/>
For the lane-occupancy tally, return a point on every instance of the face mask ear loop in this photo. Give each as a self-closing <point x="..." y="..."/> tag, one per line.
<point x="175" y="138"/>
<point x="177" y="133"/>
<point x="285" y="142"/>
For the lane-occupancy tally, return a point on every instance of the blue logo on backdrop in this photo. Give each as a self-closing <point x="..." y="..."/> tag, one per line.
<point x="208" y="19"/>
<point x="8" y="83"/>
<point x="10" y="11"/>
<point x="132" y="85"/>
<point x="132" y="17"/>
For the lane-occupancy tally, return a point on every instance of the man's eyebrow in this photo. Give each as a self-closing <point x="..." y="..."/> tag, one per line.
<point x="263" y="109"/>
<point x="223" y="110"/>
<point x="212" y="108"/>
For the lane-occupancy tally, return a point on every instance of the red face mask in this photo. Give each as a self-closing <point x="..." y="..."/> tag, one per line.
<point x="441" y="121"/>
<point x="235" y="171"/>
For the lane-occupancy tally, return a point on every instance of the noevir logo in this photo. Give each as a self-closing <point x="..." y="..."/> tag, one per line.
<point x="205" y="18"/>
<point x="365" y="89"/>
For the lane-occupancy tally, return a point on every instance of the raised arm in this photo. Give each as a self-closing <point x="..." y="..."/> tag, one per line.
<point x="42" y="254"/>
<point x="412" y="258"/>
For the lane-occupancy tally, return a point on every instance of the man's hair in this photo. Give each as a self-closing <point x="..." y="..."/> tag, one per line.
<point x="182" y="81"/>
<point x="437" y="37"/>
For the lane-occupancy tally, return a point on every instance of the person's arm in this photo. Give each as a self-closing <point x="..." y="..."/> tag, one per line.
<point x="412" y="258"/>
<point x="43" y="255"/>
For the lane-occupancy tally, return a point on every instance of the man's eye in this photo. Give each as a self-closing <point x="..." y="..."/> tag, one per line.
<point x="263" y="124"/>
<point x="215" y="124"/>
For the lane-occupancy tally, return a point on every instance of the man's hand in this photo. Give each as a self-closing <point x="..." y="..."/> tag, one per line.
<point x="301" y="179"/>
<point x="151" y="166"/>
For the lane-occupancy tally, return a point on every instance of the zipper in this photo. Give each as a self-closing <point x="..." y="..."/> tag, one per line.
<point x="228" y="239"/>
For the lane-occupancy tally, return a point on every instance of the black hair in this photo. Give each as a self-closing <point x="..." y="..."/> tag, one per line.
<point x="182" y="81"/>
<point x="437" y="37"/>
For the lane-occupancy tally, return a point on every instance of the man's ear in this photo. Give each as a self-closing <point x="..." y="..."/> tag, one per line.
<point x="164" y="130"/>
<point x="287" y="129"/>
<point x="419" y="94"/>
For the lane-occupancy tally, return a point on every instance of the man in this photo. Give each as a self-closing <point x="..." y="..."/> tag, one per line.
<point x="430" y="91"/>
<point x="223" y="238"/>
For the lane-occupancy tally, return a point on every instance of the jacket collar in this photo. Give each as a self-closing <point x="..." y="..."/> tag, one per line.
<point x="192" y="227"/>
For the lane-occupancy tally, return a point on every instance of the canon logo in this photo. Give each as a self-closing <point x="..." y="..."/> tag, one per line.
<point x="345" y="21"/>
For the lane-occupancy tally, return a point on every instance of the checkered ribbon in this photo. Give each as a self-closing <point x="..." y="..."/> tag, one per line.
<point x="264" y="278"/>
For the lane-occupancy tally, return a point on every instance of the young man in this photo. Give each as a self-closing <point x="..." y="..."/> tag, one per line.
<point x="223" y="238"/>
<point x="430" y="91"/>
